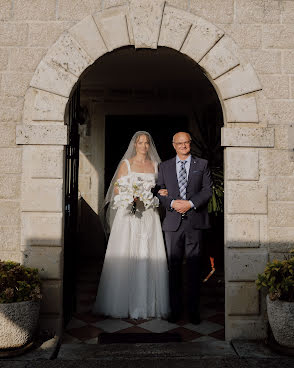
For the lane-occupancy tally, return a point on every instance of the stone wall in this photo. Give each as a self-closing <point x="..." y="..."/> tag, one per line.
<point x="246" y="45"/>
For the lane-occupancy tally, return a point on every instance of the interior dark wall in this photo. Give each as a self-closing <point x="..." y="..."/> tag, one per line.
<point x="119" y="130"/>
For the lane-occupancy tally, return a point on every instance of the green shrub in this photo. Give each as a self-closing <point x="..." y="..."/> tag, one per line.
<point x="18" y="283"/>
<point x="278" y="279"/>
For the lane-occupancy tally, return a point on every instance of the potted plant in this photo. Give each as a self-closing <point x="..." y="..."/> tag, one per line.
<point x="19" y="304"/>
<point x="278" y="280"/>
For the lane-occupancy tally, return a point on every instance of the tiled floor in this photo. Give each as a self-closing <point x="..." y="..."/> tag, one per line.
<point x="85" y="327"/>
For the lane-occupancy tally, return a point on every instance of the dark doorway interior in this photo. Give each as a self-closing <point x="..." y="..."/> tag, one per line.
<point x="119" y="130"/>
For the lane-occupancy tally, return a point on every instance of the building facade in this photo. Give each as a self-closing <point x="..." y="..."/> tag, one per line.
<point x="245" y="48"/>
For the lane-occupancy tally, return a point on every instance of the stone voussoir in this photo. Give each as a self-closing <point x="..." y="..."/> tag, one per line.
<point x="237" y="82"/>
<point x="48" y="106"/>
<point x="201" y="38"/>
<point x="41" y="134"/>
<point x="88" y="36"/>
<point x="219" y="59"/>
<point x="242" y="109"/>
<point x="146" y="17"/>
<point x="175" y="27"/>
<point x="115" y="27"/>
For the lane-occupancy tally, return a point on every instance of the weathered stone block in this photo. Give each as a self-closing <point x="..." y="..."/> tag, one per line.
<point x="245" y="266"/>
<point x="51" y="297"/>
<point x="42" y="229"/>
<point x="266" y="62"/>
<point x="15" y="84"/>
<point x="246" y="37"/>
<point x="280" y="256"/>
<point x="7" y="135"/>
<point x="241" y="109"/>
<point x="245" y="328"/>
<point x="275" y="86"/>
<point x="246" y="197"/>
<point x="11" y="109"/>
<point x="110" y="3"/>
<point x="53" y="78"/>
<point x="43" y="161"/>
<point x="29" y="10"/>
<point x="242" y="299"/>
<point x="5" y="10"/>
<point x="9" y="238"/>
<point x="281" y="239"/>
<point x="88" y="36"/>
<point x="47" y="259"/>
<point x="146" y="21"/>
<point x="26" y="59"/>
<point x="11" y="255"/>
<point x="280" y="214"/>
<point x="275" y="162"/>
<point x="3" y="59"/>
<point x="281" y="189"/>
<point x="201" y="38"/>
<point x="175" y="26"/>
<point x="219" y="59"/>
<point x="288" y="61"/>
<point x="216" y="11"/>
<point x="10" y="160"/>
<point x="44" y="34"/>
<point x="281" y="137"/>
<point x="76" y="10"/>
<point x="238" y="81"/>
<point x="242" y="164"/>
<point x="257" y="11"/>
<point x="42" y="195"/>
<point x="247" y="137"/>
<point x="41" y="134"/>
<point x="278" y="36"/>
<point x="9" y="186"/>
<point x="48" y="106"/>
<point x="242" y="232"/>
<point x="67" y="54"/>
<point x="10" y="213"/>
<point x="115" y="27"/>
<point x="13" y="34"/>
<point x="287" y="12"/>
<point x="281" y="112"/>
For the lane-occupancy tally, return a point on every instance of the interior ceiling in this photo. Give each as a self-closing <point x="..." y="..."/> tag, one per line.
<point x="145" y="68"/>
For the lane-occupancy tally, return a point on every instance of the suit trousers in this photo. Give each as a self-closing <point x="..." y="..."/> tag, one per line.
<point x="189" y="242"/>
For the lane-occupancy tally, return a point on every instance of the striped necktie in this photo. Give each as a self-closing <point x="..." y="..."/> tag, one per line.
<point x="183" y="180"/>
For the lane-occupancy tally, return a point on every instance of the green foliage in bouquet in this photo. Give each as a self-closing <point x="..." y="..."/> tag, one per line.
<point x="18" y="283"/>
<point x="278" y="279"/>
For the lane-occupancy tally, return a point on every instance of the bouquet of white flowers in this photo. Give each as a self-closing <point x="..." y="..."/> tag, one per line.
<point x="131" y="190"/>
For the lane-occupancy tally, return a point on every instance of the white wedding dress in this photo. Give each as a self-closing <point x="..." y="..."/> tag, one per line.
<point x="134" y="279"/>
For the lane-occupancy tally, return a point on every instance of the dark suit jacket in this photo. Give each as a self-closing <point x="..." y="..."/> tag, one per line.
<point x="199" y="191"/>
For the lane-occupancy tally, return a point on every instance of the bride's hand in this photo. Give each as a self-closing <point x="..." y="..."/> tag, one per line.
<point x="163" y="192"/>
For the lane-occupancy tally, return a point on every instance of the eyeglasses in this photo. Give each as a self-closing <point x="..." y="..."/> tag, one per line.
<point x="182" y="143"/>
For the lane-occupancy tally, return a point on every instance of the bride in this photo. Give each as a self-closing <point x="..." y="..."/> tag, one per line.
<point x="134" y="279"/>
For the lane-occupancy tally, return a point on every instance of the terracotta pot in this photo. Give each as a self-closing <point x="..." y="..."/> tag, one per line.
<point x="18" y="323"/>
<point x="281" y="319"/>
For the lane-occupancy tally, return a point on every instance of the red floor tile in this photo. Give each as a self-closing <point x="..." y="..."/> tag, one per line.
<point x="89" y="317"/>
<point x="220" y="334"/>
<point x="186" y="335"/>
<point x="85" y="333"/>
<point x="217" y="318"/>
<point x="134" y="321"/>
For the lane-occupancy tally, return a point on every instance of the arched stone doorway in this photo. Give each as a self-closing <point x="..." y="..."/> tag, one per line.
<point x="44" y="134"/>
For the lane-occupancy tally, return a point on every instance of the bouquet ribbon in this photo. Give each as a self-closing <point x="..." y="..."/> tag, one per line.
<point x="212" y="269"/>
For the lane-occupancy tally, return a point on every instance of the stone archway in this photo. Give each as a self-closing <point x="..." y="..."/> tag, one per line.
<point x="43" y="136"/>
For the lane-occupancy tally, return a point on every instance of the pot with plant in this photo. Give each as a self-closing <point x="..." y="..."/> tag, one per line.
<point x="19" y="304"/>
<point x="278" y="280"/>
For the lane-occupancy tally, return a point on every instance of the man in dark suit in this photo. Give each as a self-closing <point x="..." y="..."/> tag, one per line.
<point x="189" y="187"/>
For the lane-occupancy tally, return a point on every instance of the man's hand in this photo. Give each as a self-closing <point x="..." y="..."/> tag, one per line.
<point x="181" y="205"/>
